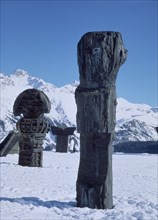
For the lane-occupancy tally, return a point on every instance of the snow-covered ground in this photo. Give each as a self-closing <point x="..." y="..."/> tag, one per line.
<point x="49" y="192"/>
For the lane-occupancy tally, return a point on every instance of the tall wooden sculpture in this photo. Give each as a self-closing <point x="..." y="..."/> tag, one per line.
<point x="100" y="55"/>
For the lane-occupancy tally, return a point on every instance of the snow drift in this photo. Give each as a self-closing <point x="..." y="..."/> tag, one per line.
<point x="48" y="193"/>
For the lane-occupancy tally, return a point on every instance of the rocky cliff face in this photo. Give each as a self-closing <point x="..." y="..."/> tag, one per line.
<point x="134" y="122"/>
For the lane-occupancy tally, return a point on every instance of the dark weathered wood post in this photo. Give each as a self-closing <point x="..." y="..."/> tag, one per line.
<point x="62" y="137"/>
<point x="100" y="54"/>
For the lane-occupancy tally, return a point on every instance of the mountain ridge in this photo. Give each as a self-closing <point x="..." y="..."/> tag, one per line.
<point x="134" y="122"/>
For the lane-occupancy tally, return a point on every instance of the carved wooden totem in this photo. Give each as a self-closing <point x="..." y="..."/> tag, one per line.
<point x="100" y="55"/>
<point x="33" y="126"/>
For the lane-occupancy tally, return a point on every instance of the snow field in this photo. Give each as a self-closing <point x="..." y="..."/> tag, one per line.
<point x="48" y="193"/>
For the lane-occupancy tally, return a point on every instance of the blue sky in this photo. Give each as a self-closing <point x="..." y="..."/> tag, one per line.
<point x="41" y="37"/>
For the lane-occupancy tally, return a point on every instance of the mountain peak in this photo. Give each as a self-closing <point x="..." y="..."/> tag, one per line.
<point x="20" y="72"/>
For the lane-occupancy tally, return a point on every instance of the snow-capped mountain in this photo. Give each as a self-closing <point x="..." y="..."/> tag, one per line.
<point x="134" y="121"/>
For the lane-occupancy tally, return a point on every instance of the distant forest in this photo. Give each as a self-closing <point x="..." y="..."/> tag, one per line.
<point x="150" y="147"/>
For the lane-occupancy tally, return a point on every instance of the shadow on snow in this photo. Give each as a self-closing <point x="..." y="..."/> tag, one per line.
<point x="38" y="202"/>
